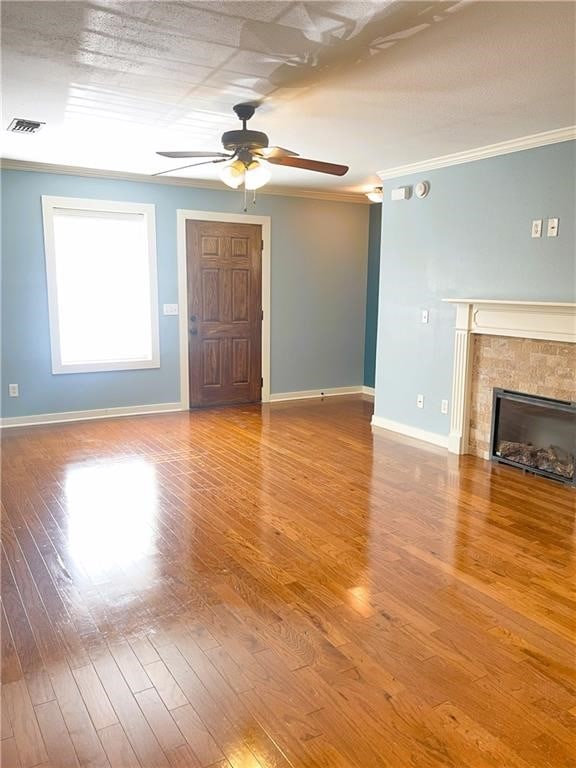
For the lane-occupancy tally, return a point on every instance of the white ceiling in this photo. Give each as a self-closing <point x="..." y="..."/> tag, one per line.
<point x="370" y="84"/>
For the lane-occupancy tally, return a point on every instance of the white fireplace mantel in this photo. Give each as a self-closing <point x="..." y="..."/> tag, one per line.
<point x="544" y="320"/>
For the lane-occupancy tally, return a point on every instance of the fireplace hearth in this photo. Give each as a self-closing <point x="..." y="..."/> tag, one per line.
<point x="537" y="434"/>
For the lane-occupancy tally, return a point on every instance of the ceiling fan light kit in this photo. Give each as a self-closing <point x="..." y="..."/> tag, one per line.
<point x="252" y="174"/>
<point x="250" y="154"/>
<point x="233" y="174"/>
<point x="256" y="175"/>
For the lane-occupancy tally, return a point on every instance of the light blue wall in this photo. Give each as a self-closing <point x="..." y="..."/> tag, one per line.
<point x="319" y="253"/>
<point x="469" y="238"/>
<point x="372" y="279"/>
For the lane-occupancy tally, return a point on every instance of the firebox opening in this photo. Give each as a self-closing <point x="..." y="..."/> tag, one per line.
<point x="535" y="433"/>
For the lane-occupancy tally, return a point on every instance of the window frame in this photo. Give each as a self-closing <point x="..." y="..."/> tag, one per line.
<point x="50" y="204"/>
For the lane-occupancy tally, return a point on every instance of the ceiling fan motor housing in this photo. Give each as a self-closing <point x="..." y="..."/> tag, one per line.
<point x="233" y="140"/>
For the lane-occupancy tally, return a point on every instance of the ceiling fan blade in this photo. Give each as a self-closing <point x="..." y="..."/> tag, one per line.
<point x="193" y="165"/>
<point x="310" y="165"/>
<point x="268" y="152"/>
<point x="192" y="154"/>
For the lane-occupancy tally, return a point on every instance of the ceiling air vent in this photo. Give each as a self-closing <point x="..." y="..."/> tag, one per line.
<point x="19" y="125"/>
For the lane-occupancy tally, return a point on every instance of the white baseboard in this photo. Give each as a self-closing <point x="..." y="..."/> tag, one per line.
<point x="368" y="391"/>
<point x="379" y="423"/>
<point x="99" y="413"/>
<point x="308" y="394"/>
<point x="137" y="410"/>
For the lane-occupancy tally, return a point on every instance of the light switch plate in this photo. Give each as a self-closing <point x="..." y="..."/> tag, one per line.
<point x="425" y="316"/>
<point x="537" y="228"/>
<point x="420" y="401"/>
<point x="13" y="390"/>
<point x="552" y="228"/>
<point x="444" y="406"/>
<point x="170" y="309"/>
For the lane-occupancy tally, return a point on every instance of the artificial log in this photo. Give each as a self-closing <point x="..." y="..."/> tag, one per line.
<point x="552" y="459"/>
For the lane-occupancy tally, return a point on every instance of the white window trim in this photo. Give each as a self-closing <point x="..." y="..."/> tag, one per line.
<point x="49" y="205"/>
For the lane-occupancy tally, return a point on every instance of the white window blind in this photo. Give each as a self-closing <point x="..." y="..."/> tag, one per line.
<point x="101" y="270"/>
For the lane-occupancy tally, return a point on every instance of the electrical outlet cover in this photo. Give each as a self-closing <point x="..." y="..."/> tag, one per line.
<point x="552" y="230"/>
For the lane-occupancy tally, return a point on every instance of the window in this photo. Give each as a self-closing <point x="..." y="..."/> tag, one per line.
<point x="102" y="289"/>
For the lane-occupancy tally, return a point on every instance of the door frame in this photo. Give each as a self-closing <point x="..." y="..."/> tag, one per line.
<point x="182" y="216"/>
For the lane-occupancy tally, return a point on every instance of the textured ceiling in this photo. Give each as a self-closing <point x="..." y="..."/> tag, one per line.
<point x="370" y="84"/>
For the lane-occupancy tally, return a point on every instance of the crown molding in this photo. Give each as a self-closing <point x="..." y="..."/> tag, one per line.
<point x="480" y="153"/>
<point x="8" y="164"/>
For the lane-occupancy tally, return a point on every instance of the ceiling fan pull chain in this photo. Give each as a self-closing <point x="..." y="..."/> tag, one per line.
<point x="245" y="199"/>
<point x="254" y="198"/>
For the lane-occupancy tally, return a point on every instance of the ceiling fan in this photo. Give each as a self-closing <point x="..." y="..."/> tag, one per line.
<point x="246" y="149"/>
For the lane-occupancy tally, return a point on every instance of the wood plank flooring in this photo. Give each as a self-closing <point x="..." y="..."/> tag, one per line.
<point x="275" y="587"/>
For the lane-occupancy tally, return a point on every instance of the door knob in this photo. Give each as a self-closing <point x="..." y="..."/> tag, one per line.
<point x="193" y="331"/>
<point x="192" y="318"/>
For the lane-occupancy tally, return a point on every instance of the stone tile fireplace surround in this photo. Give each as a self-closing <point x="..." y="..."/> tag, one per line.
<point x="546" y="368"/>
<point x="524" y="346"/>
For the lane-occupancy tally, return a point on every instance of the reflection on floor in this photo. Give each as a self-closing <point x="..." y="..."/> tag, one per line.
<point x="270" y="587"/>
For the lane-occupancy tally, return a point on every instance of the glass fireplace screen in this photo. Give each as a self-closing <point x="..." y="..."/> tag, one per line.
<point x="535" y="433"/>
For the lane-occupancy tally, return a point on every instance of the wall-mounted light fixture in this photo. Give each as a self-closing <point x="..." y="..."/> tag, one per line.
<point x="375" y="195"/>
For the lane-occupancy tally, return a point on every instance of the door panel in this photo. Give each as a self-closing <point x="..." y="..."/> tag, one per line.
<point x="240" y="361"/>
<point x="212" y="362"/>
<point x="240" y="247"/>
<point x="240" y="295"/>
<point x="210" y="247"/>
<point x="210" y="294"/>
<point x="224" y="311"/>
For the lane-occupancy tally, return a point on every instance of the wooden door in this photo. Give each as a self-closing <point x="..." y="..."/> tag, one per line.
<point x="224" y="312"/>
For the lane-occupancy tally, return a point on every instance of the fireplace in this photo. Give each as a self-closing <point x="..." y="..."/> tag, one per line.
<point x="537" y="434"/>
<point x="525" y="346"/>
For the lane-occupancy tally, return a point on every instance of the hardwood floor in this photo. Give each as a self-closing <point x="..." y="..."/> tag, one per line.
<point x="275" y="587"/>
